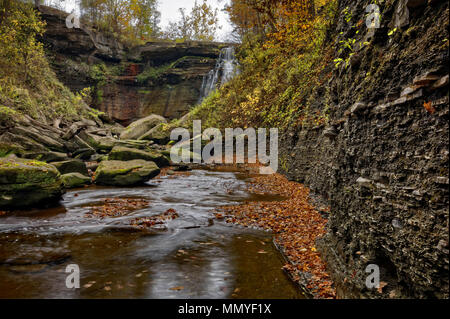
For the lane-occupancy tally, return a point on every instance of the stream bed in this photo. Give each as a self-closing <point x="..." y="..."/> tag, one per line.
<point x="195" y="256"/>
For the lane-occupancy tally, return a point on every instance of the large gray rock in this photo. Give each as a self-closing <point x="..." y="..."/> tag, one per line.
<point x="121" y="153"/>
<point x="160" y="134"/>
<point x="25" y="183"/>
<point x="125" y="173"/>
<point x="23" y="141"/>
<point x="142" y="126"/>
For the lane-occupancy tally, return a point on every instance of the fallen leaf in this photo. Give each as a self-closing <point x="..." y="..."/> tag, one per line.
<point x="429" y="107"/>
<point x="382" y="285"/>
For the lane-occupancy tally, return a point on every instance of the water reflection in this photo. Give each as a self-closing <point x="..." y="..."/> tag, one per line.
<point x="194" y="258"/>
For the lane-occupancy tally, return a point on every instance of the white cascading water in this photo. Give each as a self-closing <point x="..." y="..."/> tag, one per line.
<point x="226" y="68"/>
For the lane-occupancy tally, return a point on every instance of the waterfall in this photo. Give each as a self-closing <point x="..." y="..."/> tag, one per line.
<point x="225" y="69"/>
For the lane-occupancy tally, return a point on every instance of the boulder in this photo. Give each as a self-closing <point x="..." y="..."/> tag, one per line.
<point x="25" y="183"/>
<point x="142" y="126"/>
<point x="160" y="134"/>
<point x="71" y="166"/>
<point x="40" y="136"/>
<point x="46" y="156"/>
<point x="125" y="173"/>
<point x="73" y="180"/>
<point x="23" y="141"/>
<point x="121" y="153"/>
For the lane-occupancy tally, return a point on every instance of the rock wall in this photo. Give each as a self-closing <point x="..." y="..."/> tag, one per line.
<point x="175" y="70"/>
<point x="381" y="162"/>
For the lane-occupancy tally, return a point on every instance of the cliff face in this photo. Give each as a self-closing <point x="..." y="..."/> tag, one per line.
<point x="382" y="161"/>
<point x="129" y="83"/>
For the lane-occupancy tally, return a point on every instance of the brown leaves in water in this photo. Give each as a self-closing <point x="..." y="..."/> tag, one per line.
<point x="145" y="222"/>
<point x="169" y="172"/>
<point x="296" y="225"/>
<point x="116" y="207"/>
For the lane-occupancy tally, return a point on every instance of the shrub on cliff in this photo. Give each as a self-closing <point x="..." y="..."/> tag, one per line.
<point x="280" y="67"/>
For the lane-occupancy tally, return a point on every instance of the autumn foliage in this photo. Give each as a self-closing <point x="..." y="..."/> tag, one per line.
<point x="296" y="224"/>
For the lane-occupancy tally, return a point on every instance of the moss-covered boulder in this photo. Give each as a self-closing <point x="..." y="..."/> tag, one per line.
<point x="160" y="134"/>
<point x="121" y="153"/>
<point x="125" y="173"/>
<point x="142" y="126"/>
<point x="46" y="156"/>
<point x="71" y="166"/>
<point x="102" y="144"/>
<point x="73" y="180"/>
<point x="25" y="183"/>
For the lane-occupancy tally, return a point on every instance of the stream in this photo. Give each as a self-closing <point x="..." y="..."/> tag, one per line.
<point x="195" y="256"/>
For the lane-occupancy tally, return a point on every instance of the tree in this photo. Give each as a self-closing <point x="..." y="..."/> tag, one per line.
<point x="130" y="20"/>
<point x="200" y="25"/>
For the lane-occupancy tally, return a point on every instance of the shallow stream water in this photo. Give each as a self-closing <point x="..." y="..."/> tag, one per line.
<point x="196" y="256"/>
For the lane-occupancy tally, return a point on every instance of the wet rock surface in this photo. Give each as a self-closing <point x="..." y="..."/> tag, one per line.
<point x="140" y="127"/>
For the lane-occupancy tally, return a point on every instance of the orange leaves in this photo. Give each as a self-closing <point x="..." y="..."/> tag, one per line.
<point x="382" y="285"/>
<point x="296" y="225"/>
<point x="115" y="207"/>
<point x="146" y="222"/>
<point x="429" y="107"/>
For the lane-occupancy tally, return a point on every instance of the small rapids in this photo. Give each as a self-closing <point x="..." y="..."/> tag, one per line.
<point x="194" y="256"/>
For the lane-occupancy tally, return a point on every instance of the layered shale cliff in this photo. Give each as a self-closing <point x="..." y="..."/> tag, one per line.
<point x="164" y="78"/>
<point x="381" y="162"/>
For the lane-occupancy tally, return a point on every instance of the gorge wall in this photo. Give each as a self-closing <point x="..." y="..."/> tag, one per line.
<point x="128" y="83"/>
<point x="382" y="161"/>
